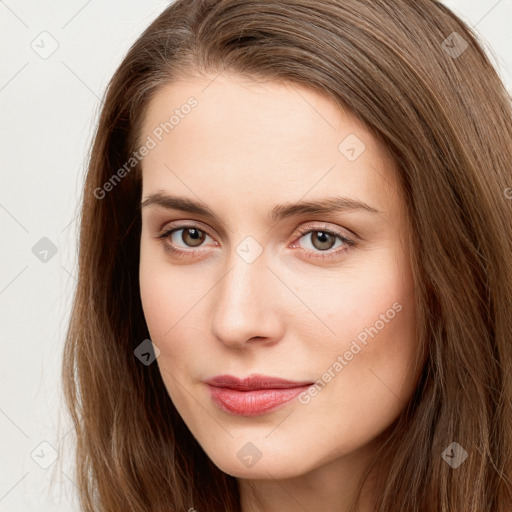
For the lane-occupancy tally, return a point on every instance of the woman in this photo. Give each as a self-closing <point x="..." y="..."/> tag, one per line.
<point x="295" y="281"/>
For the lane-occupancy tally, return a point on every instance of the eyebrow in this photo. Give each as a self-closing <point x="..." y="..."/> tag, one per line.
<point x="279" y="212"/>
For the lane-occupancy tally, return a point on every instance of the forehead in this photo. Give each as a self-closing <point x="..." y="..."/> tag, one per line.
<point x="220" y="134"/>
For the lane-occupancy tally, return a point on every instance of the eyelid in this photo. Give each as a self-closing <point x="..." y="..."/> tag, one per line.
<point x="171" y="227"/>
<point x="303" y="229"/>
<point x="319" y="226"/>
<point x="312" y="226"/>
<point x="175" y="224"/>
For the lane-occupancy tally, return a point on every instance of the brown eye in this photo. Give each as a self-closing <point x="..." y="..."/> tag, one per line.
<point x="192" y="237"/>
<point x="322" y="240"/>
<point x="183" y="239"/>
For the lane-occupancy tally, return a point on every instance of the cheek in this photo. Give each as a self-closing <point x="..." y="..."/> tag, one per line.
<point x="379" y="292"/>
<point x="164" y="304"/>
<point x="374" y="323"/>
<point x="171" y="305"/>
<point x="157" y="303"/>
<point x="376" y="330"/>
<point x="164" y="296"/>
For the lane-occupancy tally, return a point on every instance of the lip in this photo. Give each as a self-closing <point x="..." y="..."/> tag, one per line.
<point x="254" y="395"/>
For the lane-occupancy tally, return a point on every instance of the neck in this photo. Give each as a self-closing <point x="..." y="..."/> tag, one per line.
<point x="332" y="487"/>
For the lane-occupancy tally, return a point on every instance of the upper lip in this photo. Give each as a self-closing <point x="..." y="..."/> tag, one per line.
<point x="253" y="382"/>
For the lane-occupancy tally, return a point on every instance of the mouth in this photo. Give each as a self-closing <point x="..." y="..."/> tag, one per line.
<point x="253" y="396"/>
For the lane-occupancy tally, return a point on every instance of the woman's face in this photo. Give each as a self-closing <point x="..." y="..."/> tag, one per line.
<point x="286" y="330"/>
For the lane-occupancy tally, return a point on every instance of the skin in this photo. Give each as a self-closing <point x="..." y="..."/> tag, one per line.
<point x="245" y="148"/>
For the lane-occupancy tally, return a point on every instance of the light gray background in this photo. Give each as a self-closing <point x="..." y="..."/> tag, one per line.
<point x="49" y="107"/>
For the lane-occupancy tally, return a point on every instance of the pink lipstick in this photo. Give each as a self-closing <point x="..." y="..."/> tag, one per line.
<point x="254" y="395"/>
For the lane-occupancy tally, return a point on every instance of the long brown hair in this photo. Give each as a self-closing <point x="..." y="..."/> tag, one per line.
<point x="421" y="81"/>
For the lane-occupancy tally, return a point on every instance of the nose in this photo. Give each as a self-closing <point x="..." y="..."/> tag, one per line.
<point x="246" y="305"/>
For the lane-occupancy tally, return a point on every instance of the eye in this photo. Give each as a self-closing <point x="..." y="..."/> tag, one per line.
<point x="190" y="236"/>
<point x="322" y="240"/>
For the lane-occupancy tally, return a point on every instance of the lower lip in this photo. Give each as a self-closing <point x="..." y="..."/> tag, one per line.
<point x="252" y="403"/>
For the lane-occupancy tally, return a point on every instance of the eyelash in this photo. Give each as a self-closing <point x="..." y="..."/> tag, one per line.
<point x="323" y="255"/>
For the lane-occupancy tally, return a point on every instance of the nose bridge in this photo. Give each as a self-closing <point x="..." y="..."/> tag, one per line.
<point x="245" y="300"/>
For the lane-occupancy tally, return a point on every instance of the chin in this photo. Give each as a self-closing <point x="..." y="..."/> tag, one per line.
<point x="257" y="460"/>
